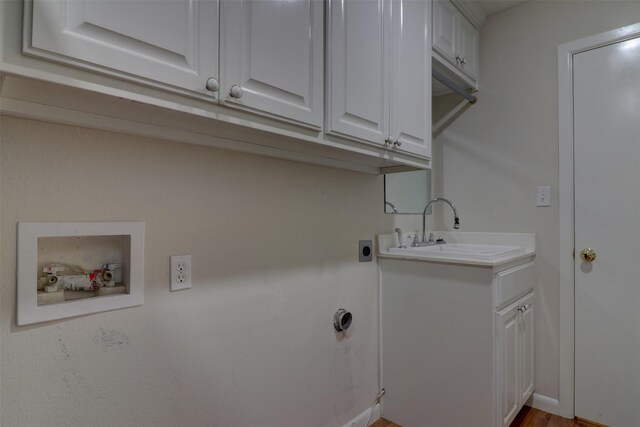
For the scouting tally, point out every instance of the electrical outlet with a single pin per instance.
(180, 272)
(365, 249)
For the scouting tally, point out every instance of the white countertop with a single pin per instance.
(524, 242)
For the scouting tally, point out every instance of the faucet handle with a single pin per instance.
(432, 237)
(416, 240)
(400, 244)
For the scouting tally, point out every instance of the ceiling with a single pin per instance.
(494, 6)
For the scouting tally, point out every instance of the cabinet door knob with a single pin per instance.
(212, 84)
(397, 142)
(463, 61)
(235, 92)
(388, 141)
(458, 57)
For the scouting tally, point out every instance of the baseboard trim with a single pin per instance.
(544, 403)
(360, 419)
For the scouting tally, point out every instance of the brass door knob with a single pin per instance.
(588, 255)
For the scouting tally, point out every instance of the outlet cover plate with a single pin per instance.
(180, 272)
(365, 251)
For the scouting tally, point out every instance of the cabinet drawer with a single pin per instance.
(512, 283)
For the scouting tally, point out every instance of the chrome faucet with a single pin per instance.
(456, 220)
(391, 205)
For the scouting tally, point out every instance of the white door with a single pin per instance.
(169, 41)
(607, 218)
(358, 80)
(411, 76)
(272, 57)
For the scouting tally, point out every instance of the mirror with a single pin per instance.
(407, 192)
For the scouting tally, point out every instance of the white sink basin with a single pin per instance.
(462, 251)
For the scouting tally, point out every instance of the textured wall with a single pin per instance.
(497, 152)
(274, 250)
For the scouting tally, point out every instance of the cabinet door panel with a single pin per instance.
(411, 76)
(526, 338)
(508, 392)
(168, 41)
(273, 50)
(469, 46)
(358, 46)
(445, 29)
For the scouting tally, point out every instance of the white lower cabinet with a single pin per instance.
(515, 357)
(526, 336)
(456, 342)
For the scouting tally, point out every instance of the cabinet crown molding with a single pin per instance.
(472, 11)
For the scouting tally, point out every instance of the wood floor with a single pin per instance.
(530, 417)
(384, 423)
(527, 417)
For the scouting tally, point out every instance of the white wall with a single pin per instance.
(274, 249)
(273, 246)
(495, 154)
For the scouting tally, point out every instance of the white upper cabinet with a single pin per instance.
(255, 68)
(272, 57)
(271, 53)
(379, 83)
(445, 29)
(358, 80)
(410, 115)
(469, 39)
(455, 39)
(174, 42)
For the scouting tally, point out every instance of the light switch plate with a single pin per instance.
(543, 196)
